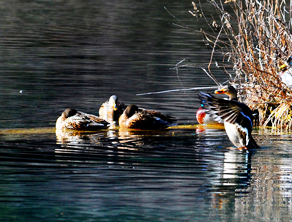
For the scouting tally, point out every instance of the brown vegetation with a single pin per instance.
(254, 37)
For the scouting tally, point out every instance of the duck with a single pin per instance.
(138, 118)
(228, 90)
(112, 109)
(203, 117)
(77, 120)
(237, 116)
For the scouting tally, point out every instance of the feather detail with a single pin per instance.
(76, 120)
(137, 118)
(237, 117)
(112, 109)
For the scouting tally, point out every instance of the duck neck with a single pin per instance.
(233, 96)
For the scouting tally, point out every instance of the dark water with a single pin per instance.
(59, 54)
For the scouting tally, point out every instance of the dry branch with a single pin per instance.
(255, 37)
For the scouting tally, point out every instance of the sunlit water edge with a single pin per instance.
(124, 175)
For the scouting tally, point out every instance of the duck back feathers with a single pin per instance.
(77, 120)
(137, 118)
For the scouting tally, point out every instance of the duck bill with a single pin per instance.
(220, 91)
(115, 107)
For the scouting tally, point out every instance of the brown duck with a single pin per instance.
(76, 120)
(112, 109)
(137, 118)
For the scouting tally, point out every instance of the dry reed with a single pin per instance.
(253, 36)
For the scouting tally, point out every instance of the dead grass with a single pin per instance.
(253, 36)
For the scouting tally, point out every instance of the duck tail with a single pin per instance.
(252, 144)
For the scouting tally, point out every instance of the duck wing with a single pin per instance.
(84, 121)
(166, 119)
(140, 121)
(145, 119)
(97, 122)
(77, 122)
(230, 111)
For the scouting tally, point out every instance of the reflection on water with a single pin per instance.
(235, 166)
(124, 175)
(60, 54)
(77, 138)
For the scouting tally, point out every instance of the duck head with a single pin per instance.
(69, 112)
(131, 110)
(113, 102)
(229, 91)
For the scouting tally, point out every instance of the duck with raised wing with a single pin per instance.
(203, 117)
(76, 120)
(237, 117)
(137, 118)
(112, 109)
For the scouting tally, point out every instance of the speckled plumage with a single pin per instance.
(76, 120)
(112, 109)
(203, 117)
(237, 117)
(137, 118)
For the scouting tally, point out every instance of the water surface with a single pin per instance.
(60, 54)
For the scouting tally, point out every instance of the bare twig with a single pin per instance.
(256, 39)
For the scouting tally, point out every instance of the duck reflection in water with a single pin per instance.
(112, 138)
(235, 177)
(78, 138)
(140, 137)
